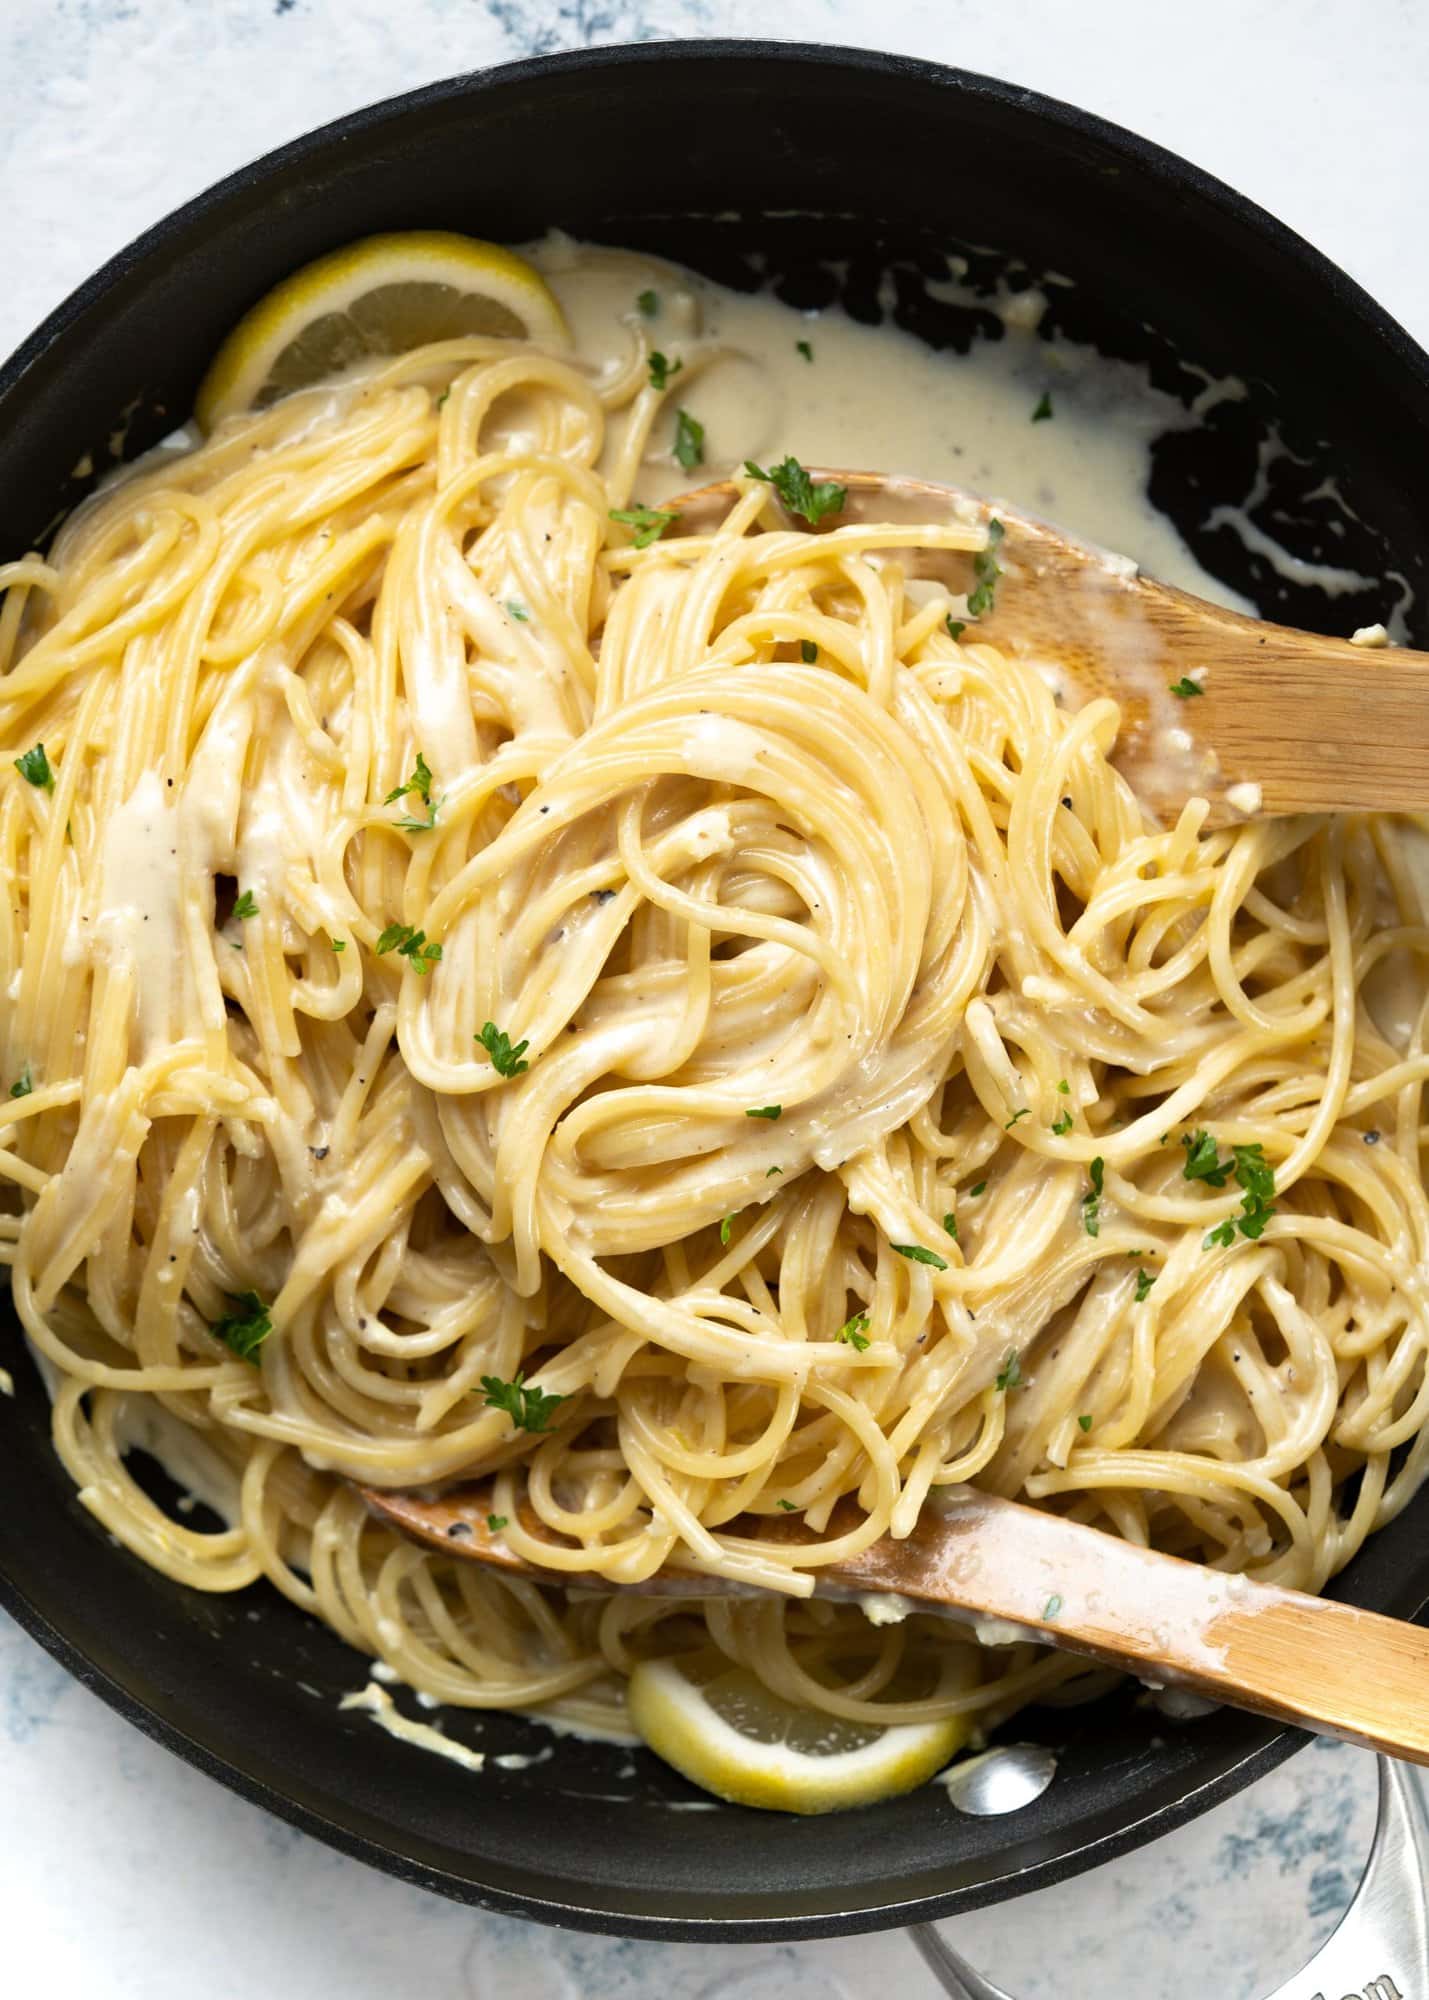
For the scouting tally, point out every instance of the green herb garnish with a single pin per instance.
(662, 368)
(808, 652)
(801, 495)
(956, 626)
(1223, 1235)
(689, 440)
(1091, 1203)
(918, 1255)
(1062, 1124)
(788, 1506)
(246, 906)
(1256, 1177)
(1009, 1376)
(649, 303)
(1144, 1281)
(950, 1223)
(1085, 1422)
(505, 1059)
(773, 1111)
(420, 783)
(1025, 1112)
(1203, 1161)
(649, 523)
(519, 613)
(246, 1329)
(528, 1407)
(23, 1084)
(1185, 687)
(410, 944)
(1044, 408)
(725, 1225)
(769, 1172)
(496, 1522)
(805, 348)
(854, 1332)
(34, 767)
(987, 570)
(338, 944)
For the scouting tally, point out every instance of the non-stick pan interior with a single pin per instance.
(817, 172)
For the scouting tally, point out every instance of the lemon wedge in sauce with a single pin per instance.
(379, 296)
(729, 1734)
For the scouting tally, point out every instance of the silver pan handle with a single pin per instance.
(1380, 1949)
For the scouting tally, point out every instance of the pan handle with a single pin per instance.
(1380, 1948)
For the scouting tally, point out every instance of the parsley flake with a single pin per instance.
(245, 1329)
(1025, 1112)
(519, 613)
(649, 523)
(769, 1172)
(981, 1188)
(810, 498)
(773, 1111)
(505, 1059)
(950, 1223)
(854, 1332)
(1009, 1376)
(1091, 1203)
(1062, 1124)
(649, 303)
(987, 570)
(410, 944)
(662, 368)
(34, 768)
(1084, 1422)
(247, 905)
(788, 1506)
(23, 1084)
(808, 652)
(725, 1227)
(528, 1407)
(805, 348)
(689, 440)
(1044, 408)
(1203, 1161)
(338, 944)
(916, 1254)
(420, 784)
(1144, 1281)
(496, 1522)
(956, 626)
(1223, 1234)
(1185, 688)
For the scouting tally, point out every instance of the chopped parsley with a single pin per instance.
(1203, 1161)
(246, 1328)
(649, 523)
(649, 303)
(810, 498)
(496, 1522)
(1223, 1235)
(519, 613)
(1009, 1376)
(956, 626)
(528, 1407)
(769, 1172)
(443, 396)
(1054, 1602)
(689, 440)
(1064, 1087)
(1091, 1202)
(854, 1332)
(505, 1059)
(808, 652)
(1254, 1176)
(410, 944)
(1084, 1422)
(420, 784)
(788, 1506)
(725, 1227)
(987, 570)
(950, 1223)
(1025, 1112)
(247, 905)
(34, 768)
(773, 1111)
(662, 368)
(1044, 408)
(23, 1084)
(1185, 687)
(918, 1255)
(338, 944)
(981, 1188)
(1144, 1281)
(1062, 1124)
(805, 348)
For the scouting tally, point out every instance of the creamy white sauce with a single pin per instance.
(876, 399)
(136, 924)
(386, 1714)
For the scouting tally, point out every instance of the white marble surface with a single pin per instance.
(123, 1874)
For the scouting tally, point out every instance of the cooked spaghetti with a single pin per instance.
(682, 1027)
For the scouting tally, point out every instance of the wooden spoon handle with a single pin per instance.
(1312, 1661)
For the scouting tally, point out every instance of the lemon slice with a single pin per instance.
(729, 1734)
(381, 295)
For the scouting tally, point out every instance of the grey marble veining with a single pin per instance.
(124, 1875)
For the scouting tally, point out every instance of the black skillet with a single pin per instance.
(748, 161)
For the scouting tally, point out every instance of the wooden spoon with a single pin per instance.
(1310, 1661)
(1285, 722)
